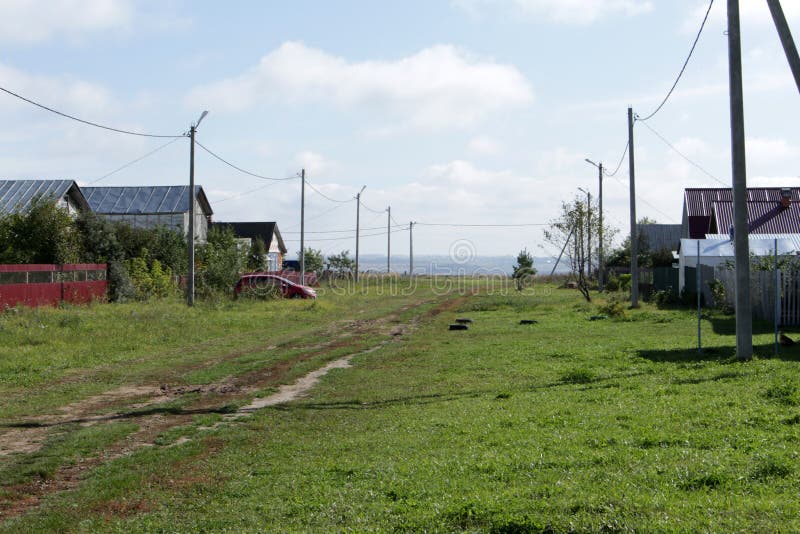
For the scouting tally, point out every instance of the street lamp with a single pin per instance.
(600, 268)
(190, 270)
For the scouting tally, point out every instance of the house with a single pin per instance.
(17, 195)
(268, 232)
(152, 206)
(771, 210)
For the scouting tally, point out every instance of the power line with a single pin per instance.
(681, 154)
(96, 125)
(316, 216)
(643, 201)
(238, 195)
(350, 230)
(377, 234)
(137, 160)
(621, 159)
(254, 175)
(372, 210)
(326, 196)
(685, 63)
(455, 225)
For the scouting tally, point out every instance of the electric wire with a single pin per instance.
(621, 159)
(644, 201)
(349, 230)
(323, 195)
(238, 195)
(681, 154)
(315, 217)
(229, 164)
(685, 63)
(90, 123)
(137, 160)
(370, 209)
(353, 236)
(455, 225)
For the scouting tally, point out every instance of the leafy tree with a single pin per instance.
(257, 257)
(621, 257)
(44, 233)
(341, 263)
(219, 261)
(314, 260)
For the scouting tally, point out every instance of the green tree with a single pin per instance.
(220, 261)
(523, 271)
(341, 263)
(44, 233)
(314, 260)
(257, 256)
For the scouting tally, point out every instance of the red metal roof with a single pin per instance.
(698, 202)
(763, 217)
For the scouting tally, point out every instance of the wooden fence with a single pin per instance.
(763, 293)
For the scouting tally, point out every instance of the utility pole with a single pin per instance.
(600, 228)
(190, 252)
(589, 231)
(358, 225)
(411, 248)
(303, 227)
(634, 239)
(744, 317)
(389, 240)
(786, 39)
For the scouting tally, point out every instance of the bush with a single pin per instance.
(625, 282)
(614, 307)
(612, 284)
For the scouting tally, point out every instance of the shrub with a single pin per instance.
(625, 282)
(614, 307)
(612, 284)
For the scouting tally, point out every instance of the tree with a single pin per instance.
(341, 263)
(44, 233)
(314, 260)
(257, 256)
(621, 257)
(523, 271)
(578, 226)
(220, 262)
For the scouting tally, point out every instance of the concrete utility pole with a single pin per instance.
(389, 240)
(303, 227)
(600, 228)
(634, 239)
(190, 252)
(411, 248)
(744, 316)
(358, 225)
(786, 39)
(588, 231)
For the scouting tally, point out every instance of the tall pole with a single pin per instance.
(634, 240)
(358, 225)
(786, 39)
(600, 231)
(411, 248)
(744, 317)
(589, 231)
(389, 240)
(190, 246)
(303, 227)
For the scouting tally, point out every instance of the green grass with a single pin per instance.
(568, 425)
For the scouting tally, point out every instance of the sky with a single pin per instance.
(450, 111)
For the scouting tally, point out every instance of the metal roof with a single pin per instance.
(698, 202)
(17, 195)
(144, 199)
(762, 217)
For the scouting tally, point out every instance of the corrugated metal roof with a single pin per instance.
(763, 217)
(17, 195)
(699, 201)
(661, 236)
(144, 199)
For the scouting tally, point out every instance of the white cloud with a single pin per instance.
(33, 21)
(578, 12)
(485, 146)
(437, 87)
(315, 164)
(765, 151)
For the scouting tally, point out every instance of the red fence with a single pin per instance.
(36, 285)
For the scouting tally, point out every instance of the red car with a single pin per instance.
(260, 282)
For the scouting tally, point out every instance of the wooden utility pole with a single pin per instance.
(786, 39)
(303, 227)
(190, 237)
(389, 240)
(358, 226)
(744, 316)
(600, 231)
(634, 239)
(411, 248)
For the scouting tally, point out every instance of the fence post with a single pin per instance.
(699, 285)
(777, 297)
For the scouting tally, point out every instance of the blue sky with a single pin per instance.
(450, 111)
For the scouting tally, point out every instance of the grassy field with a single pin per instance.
(566, 425)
